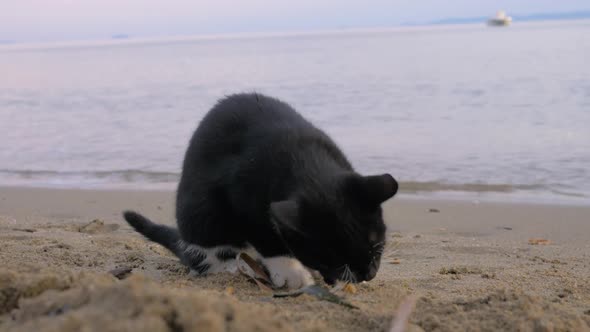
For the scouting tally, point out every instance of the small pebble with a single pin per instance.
(121, 272)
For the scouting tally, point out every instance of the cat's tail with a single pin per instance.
(167, 236)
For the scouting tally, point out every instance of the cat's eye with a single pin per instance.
(376, 248)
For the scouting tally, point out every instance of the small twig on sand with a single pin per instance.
(28, 230)
(402, 314)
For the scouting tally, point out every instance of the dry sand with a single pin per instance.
(470, 265)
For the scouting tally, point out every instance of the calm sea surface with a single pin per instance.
(499, 111)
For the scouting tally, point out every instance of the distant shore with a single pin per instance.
(473, 265)
(123, 39)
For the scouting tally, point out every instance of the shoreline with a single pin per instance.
(470, 265)
(408, 191)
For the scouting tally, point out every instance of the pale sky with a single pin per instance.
(45, 20)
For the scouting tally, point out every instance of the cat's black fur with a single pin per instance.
(257, 173)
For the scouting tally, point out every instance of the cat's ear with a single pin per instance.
(286, 215)
(379, 188)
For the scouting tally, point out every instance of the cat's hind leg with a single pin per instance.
(284, 271)
(211, 260)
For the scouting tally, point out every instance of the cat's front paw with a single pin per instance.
(287, 271)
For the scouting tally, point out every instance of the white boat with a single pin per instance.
(500, 19)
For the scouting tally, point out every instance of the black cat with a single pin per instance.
(258, 177)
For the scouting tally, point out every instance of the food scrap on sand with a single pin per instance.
(350, 289)
(319, 292)
(258, 275)
(262, 279)
(230, 291)
(537, 241)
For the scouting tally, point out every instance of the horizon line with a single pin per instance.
(123, 38)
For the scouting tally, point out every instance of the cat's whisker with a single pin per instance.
(379, 244)
(347, 273)
(343, 275)
(352, 277)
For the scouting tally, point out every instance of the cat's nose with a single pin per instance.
(371, 273)
(330, 280)
(372, 270)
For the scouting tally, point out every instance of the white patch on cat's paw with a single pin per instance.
(287, 271)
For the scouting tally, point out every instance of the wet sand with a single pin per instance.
(471, 266)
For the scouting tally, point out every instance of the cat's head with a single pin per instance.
(338, 230)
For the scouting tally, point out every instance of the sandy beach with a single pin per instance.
(473, 266)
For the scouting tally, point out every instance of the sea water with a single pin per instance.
(445, 109)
